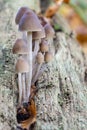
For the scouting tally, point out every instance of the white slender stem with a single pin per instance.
(24, 36)
(40, 72)
(26, 75)
(29, 77)
(20, 87)
(36, 49)
(36, 74)
(34, 69)
(24, 93)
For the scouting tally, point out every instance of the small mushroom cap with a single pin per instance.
(44, 46)
(40, 58)
(20, 47)
(48, 57)
(21, 65)
(39, 34)
(49, 31)
(30, 22)
(43, 19)
(20, 13)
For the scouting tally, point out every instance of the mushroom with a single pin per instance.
(48, 57)
(44, 46)
(25, 98)
(49, 32)
(37, 37)
(19, 15)
(40, 61)
(29, 23)
(43, 20)
(21, 67)
(49, 36)
(20, 47)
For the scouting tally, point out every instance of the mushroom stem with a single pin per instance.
(24, 88)
(20, 87)
(36, 74)
(40, 72)
(24, 35)
(36, 49)
(29, 75)
(34, 69)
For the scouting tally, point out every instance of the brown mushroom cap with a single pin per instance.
(40, 58)
(21, 65)
(49, 31)
(48, 56)
(20, 47)
(30, 22)
(39, 34)
(44, 46)
(20, 13)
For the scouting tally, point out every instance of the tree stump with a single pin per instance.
(62, 96)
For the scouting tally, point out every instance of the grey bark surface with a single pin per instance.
(62, 96)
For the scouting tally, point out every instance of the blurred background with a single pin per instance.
(76, 15)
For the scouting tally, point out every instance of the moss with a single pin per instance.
(60, 100)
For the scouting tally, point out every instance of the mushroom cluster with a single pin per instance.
(34, 49)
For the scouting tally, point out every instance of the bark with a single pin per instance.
(62, 96)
